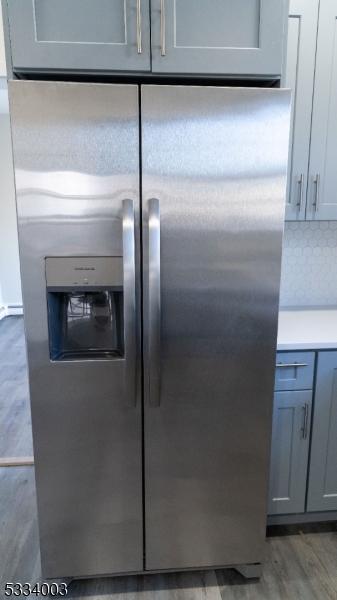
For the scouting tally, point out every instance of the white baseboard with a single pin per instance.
(10, 310)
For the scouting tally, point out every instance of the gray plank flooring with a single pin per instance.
(300, 563)
(15, 420)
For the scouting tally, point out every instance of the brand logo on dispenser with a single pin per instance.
(84, 269)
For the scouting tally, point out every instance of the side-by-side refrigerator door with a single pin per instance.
(214, 176)
(76, 152)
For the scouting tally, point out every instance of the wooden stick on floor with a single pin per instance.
(22, 461)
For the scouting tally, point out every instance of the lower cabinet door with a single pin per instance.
(289, 454)
(322, 490)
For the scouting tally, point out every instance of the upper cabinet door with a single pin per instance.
(80, 35)
(322, 196)
(232, 37)
(299, 76)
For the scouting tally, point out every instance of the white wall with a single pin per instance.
(2, 48)
(10, 286)
(9, 252)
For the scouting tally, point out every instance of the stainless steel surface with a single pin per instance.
(102, 271)
(287, 365)
(300, 192)
(216, 158)
(214, 166)
(130, 305)
(76, 152)
(162, 28)
(139, 27)
(154, 303)
(317, 182)
(305, 421)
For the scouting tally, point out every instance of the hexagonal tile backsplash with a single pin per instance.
(309, 264)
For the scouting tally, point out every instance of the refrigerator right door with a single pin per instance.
(214, 182)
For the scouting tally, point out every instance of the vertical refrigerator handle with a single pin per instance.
(129, 299)
(154, 302)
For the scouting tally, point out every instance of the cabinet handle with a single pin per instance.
(285, 365)
(162, 28)
(317, 183)
(139, 27)
(304, 428)
(300, 183)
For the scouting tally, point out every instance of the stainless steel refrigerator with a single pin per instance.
(150, 227)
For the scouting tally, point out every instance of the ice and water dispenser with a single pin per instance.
(85, 307)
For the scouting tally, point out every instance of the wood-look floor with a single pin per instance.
(300, 564)
(15, 422)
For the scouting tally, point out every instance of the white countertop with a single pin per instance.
(307, 329)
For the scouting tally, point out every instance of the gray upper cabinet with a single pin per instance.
(322, 492)
(79, 35)
(299, 76)
(322, 191)
(239, 37)
(217, 37)
(289, 456)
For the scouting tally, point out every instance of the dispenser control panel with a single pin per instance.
(91, 271)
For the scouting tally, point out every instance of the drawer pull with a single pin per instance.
(284, 365)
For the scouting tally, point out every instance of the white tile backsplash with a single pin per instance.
(309, 264)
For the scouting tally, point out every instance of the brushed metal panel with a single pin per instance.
(76, 151)
(102, 271)
(216, 159)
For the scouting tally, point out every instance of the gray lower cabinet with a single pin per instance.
(322, 490)
(290, 448)
(85, 35)
(240, 37)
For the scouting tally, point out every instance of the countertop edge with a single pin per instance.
(291, 347)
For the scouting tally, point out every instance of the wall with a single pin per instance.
(309, 264)
(10, 286)
(2, 48)
(9, 253)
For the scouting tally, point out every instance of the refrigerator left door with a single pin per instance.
(76, 153)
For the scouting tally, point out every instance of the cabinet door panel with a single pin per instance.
(289, 455)
(322, 197)
(83, 35)
(322, 493)
(217, 37)
(299, 76)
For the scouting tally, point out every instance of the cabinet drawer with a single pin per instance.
(294, 371)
